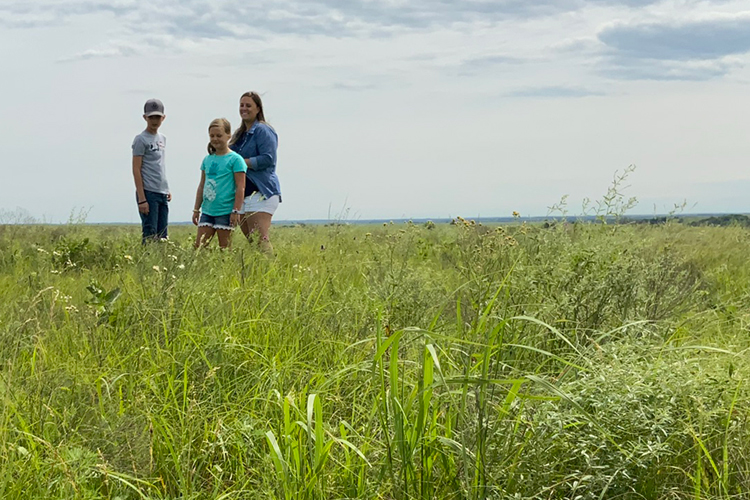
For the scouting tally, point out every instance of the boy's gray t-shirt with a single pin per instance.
(153, 150)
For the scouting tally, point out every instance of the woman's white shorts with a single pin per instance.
(256, 202)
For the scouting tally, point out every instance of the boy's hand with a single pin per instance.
(169, 196)
(196, 217)
(143, 208)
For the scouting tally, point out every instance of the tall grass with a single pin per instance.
(398, 362)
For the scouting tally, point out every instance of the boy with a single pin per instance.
(151, 188)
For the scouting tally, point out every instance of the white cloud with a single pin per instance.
(700, 39)
(698, 48)
(392, 108)
(554, 92)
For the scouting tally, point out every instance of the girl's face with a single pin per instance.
(248, 109)
(218, 138)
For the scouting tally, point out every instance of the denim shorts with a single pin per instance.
(216, 221)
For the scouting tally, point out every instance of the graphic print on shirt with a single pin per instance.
(209, 190)
(156, 146)
(213, 169)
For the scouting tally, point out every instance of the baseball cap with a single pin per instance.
(153, 107)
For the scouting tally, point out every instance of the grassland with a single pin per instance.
(392, 362)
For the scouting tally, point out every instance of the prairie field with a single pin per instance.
(397, 361)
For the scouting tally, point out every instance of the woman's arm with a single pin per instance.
(199, 199)
(267, 145)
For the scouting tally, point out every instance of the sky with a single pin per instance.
(385, 109)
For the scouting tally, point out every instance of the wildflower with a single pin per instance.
(181, 266)
(41, 250)
(71, 308)
(173, 257)
(157, 269)
(516, 214)
(367, 235)
(129, 258)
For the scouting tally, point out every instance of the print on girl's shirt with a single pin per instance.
(209, 190)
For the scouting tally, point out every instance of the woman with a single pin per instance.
(256, 142)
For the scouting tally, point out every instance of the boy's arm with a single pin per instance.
(169, 194)
(141, 193)
(199, 199)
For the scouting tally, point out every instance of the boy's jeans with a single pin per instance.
(154, 223)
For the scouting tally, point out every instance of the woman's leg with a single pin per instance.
(261, 222)
(205, 233)
(247, 229)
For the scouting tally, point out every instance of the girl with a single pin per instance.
(256, 142)
(221, 189)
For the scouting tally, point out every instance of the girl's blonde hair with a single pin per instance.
(223, 124)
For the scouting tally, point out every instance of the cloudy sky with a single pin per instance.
(384, 108)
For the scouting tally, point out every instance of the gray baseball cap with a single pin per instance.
(153, 107)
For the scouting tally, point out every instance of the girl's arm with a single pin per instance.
(199, 199)
(239, 197)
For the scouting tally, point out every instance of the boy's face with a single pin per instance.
(154, 121)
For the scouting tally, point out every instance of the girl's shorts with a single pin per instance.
(215, 221)
(256, 202)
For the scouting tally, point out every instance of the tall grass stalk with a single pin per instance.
(401, 362)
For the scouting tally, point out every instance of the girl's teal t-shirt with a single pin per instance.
(219, 188)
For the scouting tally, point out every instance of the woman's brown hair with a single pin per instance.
(261, 118)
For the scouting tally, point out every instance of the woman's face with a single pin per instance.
(248, 109)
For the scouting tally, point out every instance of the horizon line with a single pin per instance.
(521, 218)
